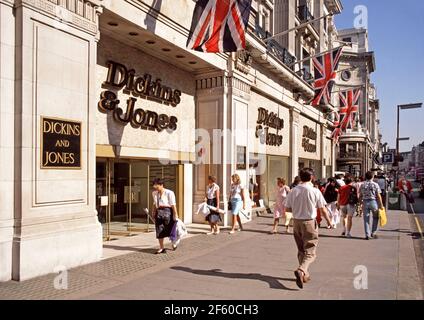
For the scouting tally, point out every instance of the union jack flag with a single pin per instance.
(349, 109)
(219, 25)
(325, 67)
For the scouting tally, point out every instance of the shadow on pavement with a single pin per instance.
(340, 237)
(273, 282)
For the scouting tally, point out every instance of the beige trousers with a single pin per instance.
(306, 237)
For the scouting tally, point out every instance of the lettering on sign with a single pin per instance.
(119, 77)
(308, 135)
(267, 120)
(60, 144)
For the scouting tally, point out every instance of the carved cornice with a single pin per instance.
(83, 14)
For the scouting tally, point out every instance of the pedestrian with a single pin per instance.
(382, 182)
(303, 202)
(346, 203)
(281, 192)
(165, 211)
(340, 179)
(370, 197)
(237, 201)
(405, 188)
(357, 184)
(330, 196)
(212, 199)
(295, 183)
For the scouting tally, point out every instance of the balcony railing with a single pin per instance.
(305, 75)
(274, 48)
(350, 155)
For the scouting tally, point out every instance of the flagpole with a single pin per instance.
(316, 55)
(298, 27)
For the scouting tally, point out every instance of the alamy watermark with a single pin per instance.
(61, 281)
(360, 282)
(361, 17)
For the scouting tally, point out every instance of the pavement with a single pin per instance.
(250, 265)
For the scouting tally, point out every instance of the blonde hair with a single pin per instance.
(236, 177)
(282, 180)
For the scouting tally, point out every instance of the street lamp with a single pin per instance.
(398, 139)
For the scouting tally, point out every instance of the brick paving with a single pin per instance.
(249, 265)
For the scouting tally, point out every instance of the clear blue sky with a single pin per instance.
(396, 36)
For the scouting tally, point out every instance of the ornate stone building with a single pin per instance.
(360, 145)
(100, 97)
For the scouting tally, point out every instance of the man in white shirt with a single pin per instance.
(303, 202)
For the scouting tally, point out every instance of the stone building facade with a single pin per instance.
(100, 97)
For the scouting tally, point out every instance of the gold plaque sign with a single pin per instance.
(60, 144)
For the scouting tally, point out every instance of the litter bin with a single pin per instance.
(394, 201)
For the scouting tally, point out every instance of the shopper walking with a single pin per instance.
(357, 184)
(370, 197)
(281, 192)
(237, 201)
(405, 188)
(165, 211)
(212, 199)
(330, 196)
(303, 202)
(346, 203)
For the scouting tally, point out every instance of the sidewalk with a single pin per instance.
(249, 265)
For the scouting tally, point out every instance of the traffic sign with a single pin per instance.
(377, 159)
(388, 158)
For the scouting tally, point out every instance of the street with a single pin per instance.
(248, 265)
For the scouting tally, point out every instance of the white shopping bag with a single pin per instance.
(203, 208)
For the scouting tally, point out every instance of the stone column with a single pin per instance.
(56, 223)
(7, 137)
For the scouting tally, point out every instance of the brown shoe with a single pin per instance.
(299, 278)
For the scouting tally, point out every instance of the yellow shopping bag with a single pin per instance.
(382, 217)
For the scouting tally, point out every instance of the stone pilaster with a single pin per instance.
(295, 143)
(56, 223)
(7, 143)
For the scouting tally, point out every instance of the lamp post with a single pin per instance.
(398, 139)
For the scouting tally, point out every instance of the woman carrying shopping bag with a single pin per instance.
(165, 210)
(212, 199)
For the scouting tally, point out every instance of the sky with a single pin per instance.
(396, 35)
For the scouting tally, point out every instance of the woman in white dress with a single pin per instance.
(281, 193)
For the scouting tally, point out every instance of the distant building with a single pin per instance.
(360, 145)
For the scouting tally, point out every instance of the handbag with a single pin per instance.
(382, 217)
(230, 207)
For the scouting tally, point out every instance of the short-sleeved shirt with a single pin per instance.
(212, 190)
(304, 200)
(167, 199)
(370, 190)
(236, 190)
(344, 194)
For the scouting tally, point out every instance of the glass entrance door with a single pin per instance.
(124, 194)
